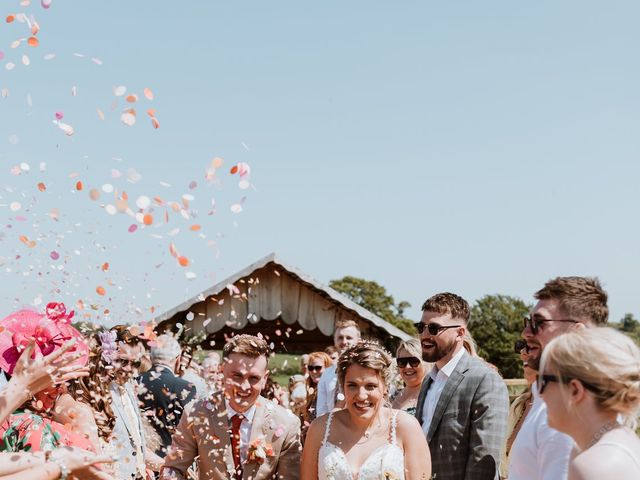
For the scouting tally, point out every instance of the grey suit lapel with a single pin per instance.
(421, 397)
(447, 392)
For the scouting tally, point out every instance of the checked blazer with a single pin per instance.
(469, 423)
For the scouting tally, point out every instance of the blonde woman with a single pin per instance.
(413, 371)
(590, 379)
(366, 440)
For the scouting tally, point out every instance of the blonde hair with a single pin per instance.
(469, 344)
(604, 360)
(412, 346)
(345, 324)
(367, 354)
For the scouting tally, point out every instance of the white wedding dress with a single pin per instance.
(385, 462)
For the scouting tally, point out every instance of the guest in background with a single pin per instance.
(297, 394)
(304, 361)
(190, 371)
(519, 409)
(164, 394)
(589, 379)
(413, 371)
(212, 373)
(345, 335)
(333, 353)
(318, 362)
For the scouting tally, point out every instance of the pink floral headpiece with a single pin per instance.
(50, 331)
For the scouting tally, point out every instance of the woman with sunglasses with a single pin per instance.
(590, 381)
(413, 371)
(318, 361)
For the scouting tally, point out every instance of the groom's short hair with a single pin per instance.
(248, 345)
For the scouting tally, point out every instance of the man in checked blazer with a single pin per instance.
(463, 403)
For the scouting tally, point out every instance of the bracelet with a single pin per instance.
(64, 471)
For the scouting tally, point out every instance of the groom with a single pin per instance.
(237, 434)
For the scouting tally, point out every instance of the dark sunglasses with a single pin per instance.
(520, 345)
(544, 380)
(535, 324)
(129, 363)
(402, 362)
(433, 328)
(315, 368)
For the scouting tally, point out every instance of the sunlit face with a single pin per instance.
(364, 391)
(334, 357)
(315, 367)
(436, 347)
(344, 338)
(558, 408)
(412, 376)
(544, 310)
(127, 362)
(244, 379)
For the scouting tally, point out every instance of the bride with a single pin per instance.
(367, 440)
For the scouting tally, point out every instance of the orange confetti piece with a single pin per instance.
(151, 112)
(148, 93)
(24, 239)
(105, 266)
(42, 187)
(147, 219)
(79, 186)
(217, 162)
(10, 18)
(234, 170)
(100, 290)
(100, 114)
(183, 261)
(195, 228)
(155, 123)
(172, 250)
(35, 28)
(33, 42)
(133, 98)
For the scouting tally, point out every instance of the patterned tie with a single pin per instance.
(236, 421)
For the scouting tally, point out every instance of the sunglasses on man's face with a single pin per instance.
(535, 324)
(315, 368)
(404, 361)
(129, 363)
(433, 328)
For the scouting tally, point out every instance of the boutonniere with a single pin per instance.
(259, 450)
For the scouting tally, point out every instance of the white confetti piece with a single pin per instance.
(26, 61)
(236, 208)
(111, 209)
(119, 91)
(107, 188)
(15, 206)
(10, 66)
(129, 119)
(143, 202)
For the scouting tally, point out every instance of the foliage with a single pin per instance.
(496, 324)
(374, 297)
(630, 326)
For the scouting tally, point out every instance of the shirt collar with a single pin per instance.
(248, 415)
(451, 365)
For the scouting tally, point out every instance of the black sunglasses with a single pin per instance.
(520, 345)
(536, 323)
(433, 328)
(131, 363)
(315, 368)
(544, 380)
(402, 362)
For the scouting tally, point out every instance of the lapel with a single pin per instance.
(447, 392)
(426, 383)
(259, 428)
(220, 425)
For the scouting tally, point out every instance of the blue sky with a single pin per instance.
(476, 147)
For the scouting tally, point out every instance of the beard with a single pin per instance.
(438, 352)
(533, 361)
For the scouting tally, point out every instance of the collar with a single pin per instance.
(248, 415)
(451, 365)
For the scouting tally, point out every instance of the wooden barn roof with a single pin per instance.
(316, 306)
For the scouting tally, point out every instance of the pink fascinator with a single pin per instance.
(50, 331)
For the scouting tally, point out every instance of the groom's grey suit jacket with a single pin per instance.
(469, 424)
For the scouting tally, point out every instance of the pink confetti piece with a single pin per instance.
(54, 255)
(59, 115)
(132, 228)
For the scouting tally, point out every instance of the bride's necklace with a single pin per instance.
(607, 427)
(368, 433)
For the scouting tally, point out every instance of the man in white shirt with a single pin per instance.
(463, 403)
(564, 303)
(345, 335)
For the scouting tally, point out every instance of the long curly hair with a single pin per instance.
(93, 390)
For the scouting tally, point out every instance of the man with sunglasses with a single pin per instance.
(564, 304)
(463, 403)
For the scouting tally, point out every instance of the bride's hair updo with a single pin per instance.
(604, 359)
(367, 354)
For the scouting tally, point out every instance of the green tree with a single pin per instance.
(496, 324)
(630, 326)
(374, 297)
